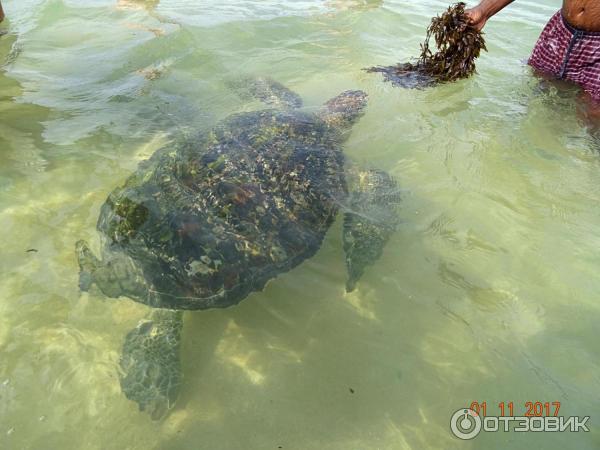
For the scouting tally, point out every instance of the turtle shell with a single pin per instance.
(214, 218)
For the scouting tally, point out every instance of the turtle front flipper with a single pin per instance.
(150, 362)
(266, 90)
(370, 220)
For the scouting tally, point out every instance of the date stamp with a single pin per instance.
(526, 409)
(528, 416)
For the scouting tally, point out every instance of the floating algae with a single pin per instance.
(458, 46)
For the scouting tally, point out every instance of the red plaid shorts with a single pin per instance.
(569, 54)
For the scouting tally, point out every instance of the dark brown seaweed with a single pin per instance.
(458, 46)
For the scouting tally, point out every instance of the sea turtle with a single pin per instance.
(205, 222)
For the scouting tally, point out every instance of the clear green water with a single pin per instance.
(488, 292)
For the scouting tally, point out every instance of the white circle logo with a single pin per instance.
(465, 424)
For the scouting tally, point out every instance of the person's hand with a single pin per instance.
(476, 18)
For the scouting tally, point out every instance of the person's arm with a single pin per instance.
(479, 15)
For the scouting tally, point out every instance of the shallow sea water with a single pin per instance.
(488, 291)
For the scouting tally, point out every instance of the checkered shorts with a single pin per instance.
(569, 54)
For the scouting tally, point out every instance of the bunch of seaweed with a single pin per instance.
(458, 46)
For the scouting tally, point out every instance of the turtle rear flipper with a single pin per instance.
(115, 276)
(268, 91)
(87, 265)
(150, 362)
(370, 221)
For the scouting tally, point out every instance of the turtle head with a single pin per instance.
(343, 111)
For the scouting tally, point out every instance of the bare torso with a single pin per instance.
(582, 14)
